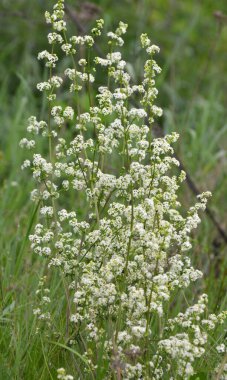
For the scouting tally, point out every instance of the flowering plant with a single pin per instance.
(122, 245)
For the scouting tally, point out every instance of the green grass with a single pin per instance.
(192, 93)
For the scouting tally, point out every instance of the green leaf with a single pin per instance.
(199, 376)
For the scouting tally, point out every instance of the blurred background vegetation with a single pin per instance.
(192, 91)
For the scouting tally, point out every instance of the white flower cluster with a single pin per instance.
(53, 82)
(62, 375)
(122, 250)
(185, 348)
(41, 312)
(56, 18)
(51, 59)
(98, 28)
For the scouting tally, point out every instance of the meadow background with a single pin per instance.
(192, 91)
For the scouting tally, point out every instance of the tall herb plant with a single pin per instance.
(121, 246)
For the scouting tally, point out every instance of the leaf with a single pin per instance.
(75, 353)
(199, 376)
(8, 309)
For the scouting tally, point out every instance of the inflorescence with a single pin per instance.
(124, 256)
